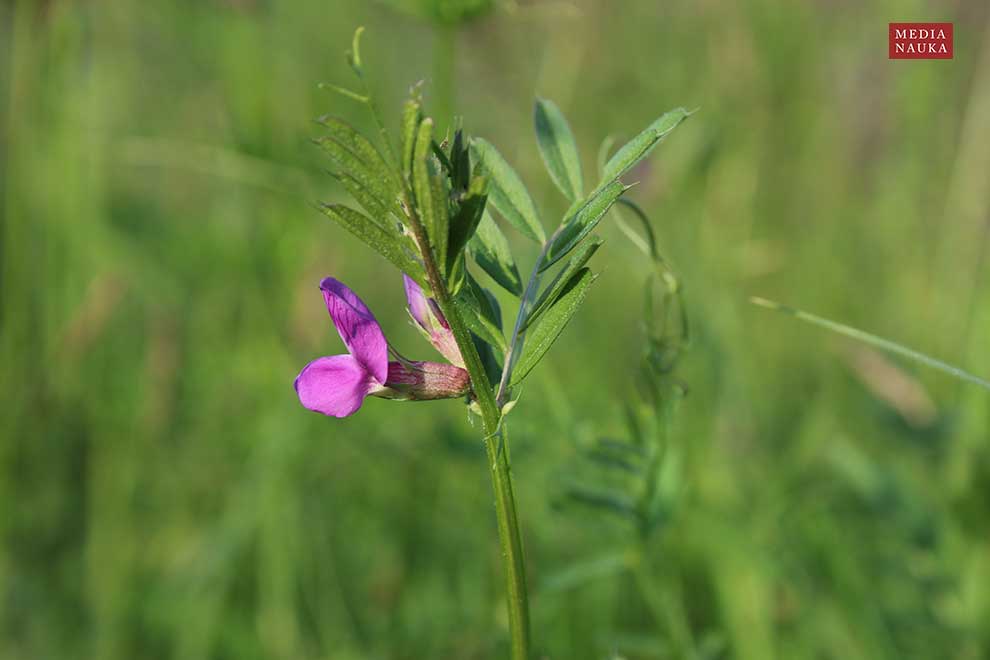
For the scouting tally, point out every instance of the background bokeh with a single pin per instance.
(163, 494)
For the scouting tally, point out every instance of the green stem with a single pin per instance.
(498, 461)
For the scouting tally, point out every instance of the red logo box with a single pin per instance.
(919, 41)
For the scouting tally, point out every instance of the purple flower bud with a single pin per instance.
(427, 315)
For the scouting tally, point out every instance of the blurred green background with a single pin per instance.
(163, 494)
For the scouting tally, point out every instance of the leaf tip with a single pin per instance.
(763, 302)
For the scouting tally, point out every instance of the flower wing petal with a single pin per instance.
(357, 326)
(335, 385)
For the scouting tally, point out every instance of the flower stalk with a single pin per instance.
(493, 426)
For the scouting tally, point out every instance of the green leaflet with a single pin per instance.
(431, 196)
(375, 181)
(553, 291)
(481, 314)
(488, 304)
(380, 214)
(460, 161)
(362, 148)
(491, 362)
(457, 275)
(640, 146)
(465, 221)
(557, 147)
(545, 333)
(385, 244)
(585, 219)
(490, 250)
(506, 191)
(411, 117)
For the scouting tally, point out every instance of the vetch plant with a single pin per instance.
(425, 209)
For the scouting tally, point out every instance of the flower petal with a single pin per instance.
(334, 385)
(357, 327)
(426, 313)
(418, 306)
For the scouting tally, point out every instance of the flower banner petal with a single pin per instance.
(357, 327)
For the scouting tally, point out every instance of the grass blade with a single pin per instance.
(873, 340)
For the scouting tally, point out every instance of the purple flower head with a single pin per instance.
(337, 385)
(431, 322)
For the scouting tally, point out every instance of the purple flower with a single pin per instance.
(337, 385)
(431, 322)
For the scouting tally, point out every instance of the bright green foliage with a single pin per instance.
(472, 195)
(371, 160)
(388, 244)
(480, 316)
(507, 193)
(557, 147)
(430, 190)
(640, 146)
(542, 336)
(553, 291)
(582, 222)
(367, 169)
(412, 115)
(375, 206)
(490, 250)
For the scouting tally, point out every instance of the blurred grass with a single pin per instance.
(163, 495)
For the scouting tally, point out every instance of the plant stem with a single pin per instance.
(511, 540)
(498, 461)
